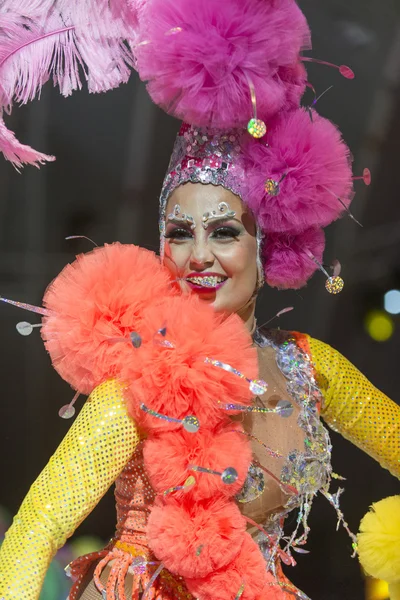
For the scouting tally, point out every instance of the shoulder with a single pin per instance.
(279, 337)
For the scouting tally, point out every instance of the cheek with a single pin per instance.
(239, 259)
(176, 256)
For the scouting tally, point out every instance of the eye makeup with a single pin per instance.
(220, 231)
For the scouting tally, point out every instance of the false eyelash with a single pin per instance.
(173, 234)
(230, 230)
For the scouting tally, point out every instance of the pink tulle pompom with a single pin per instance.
(288, 264)
(175, 378)
(248, 569)
(200, 57)
(216, 450)
(295, 79)
(295, 182)
(95, 304)
(195, 540)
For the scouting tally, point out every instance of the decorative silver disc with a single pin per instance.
(66, 412)
(24, 328)
(229, 476)
(191, 424)
(135, 339)
(285, 408)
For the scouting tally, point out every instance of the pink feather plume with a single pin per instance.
(62, 46)
(199, 57)
(19, 154)
(65, 40)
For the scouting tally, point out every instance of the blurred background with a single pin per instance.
(112, 151)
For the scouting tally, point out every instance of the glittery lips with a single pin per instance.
(205, 282)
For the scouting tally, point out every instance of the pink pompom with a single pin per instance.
(247, 568)
(294, 182)
(295, 78)
(199, 57)
(194, 540)
(176, 381)
(216, 450)
(94, 302)
(287, 260)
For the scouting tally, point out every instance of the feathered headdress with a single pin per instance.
(225, 67)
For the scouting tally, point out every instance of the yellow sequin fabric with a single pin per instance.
(95, 450)
(355, 408)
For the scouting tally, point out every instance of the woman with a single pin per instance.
(233, 211)
(211, 247)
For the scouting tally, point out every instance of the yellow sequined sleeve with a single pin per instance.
(89, 459)
(355, 408)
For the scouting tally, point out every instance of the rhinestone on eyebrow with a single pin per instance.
(176, 215)
(224, 212)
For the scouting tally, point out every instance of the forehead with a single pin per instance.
(197, 198)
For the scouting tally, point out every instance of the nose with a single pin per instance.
(201, 256)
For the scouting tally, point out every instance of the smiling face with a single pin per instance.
(211, 246)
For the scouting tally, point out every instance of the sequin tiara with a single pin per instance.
(206, 156)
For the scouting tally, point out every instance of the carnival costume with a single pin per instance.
(211, 437)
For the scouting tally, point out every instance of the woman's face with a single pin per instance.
(211, 245)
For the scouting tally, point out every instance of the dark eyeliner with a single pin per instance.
(226, 231)
(177, 234)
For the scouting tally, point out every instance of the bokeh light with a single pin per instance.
(376, 589)
(379, 325)
(392, 302)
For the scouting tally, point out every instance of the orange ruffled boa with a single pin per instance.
(95, 306)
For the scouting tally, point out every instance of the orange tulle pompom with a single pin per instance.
(176, 380)
(95, 304)
(195, 539)
(212, 449)
(248, 569)
(116, 312)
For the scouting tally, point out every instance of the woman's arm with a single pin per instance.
(89, 459)
(355, 408)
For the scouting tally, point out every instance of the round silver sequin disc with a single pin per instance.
(191, 424)
(135, 339)
(285, 408)
(66, 412)
(229, 476)
(24, 328)
(258, 387)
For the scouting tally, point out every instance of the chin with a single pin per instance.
(219, 305)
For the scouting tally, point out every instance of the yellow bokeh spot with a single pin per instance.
(379, 325)
(376, 589)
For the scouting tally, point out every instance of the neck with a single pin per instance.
(247, 315)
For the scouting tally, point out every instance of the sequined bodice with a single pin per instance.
(134, 497)
(291, 450)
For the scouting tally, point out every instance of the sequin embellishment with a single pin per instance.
(254, 485)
